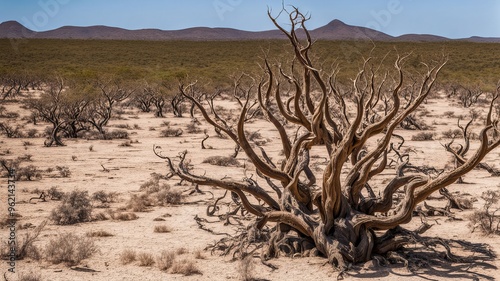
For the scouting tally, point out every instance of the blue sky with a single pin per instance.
(450, 18)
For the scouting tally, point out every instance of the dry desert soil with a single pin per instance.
(122, 166)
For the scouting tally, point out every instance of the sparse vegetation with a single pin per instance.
(162, 229)
(70, 249)
(99, 233)
(128, 256)
(165, 260)
(224, 161)
(185, 267)
(74, 208)
(145, 259)
(423, 136)
(487, 219)
(171, 132)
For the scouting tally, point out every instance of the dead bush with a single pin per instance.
(224, 161)
(487, 219)
(30, 276)
(184, 267)
(145, 259)
(124, 216)
(139, 203)
(450, 134)
(99, 233)
(162, 229)
(168, 196)
(74, 208)
(70, 248)
(104, 197)
(26, 247)
(55, 193)
(117, 134)
(64, 171)
(128, 256)
(423, 136)
(171, 132)
(193, 127)
(28, 173)
(165, 260)
(151, 186)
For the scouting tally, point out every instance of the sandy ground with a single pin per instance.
(131, 166)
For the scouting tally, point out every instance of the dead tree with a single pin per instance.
(100, 109)
(334, 215)
(459, 151)
(50, 107)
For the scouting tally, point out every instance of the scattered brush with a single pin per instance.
(128, 256)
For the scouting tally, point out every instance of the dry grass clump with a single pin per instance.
(199, 255)
(162, 229)
(169, 197)
(165, 260)
(99, 233)
(224, 161)
(139, 203)
(128, 256)
(30, 276)
(185, 267)
(145, 259)
(121, 216)
(171, 132)
(423, 136)
(74, 208)
(70, 249)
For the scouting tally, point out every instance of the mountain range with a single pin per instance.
(335, 30)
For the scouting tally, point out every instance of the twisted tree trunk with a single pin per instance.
(338, 216)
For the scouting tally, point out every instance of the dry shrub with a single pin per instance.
(487, 219)
(168, 196)
(423, 136)
(171, 132)
(450, 134)
(124, 216)
(181, 251)
(74, 208)
(70, 249)
(162, 229)
(55, 193)
(145, 259)
(139, 203)
(64, 171)
(30, 276)
(26, 247)
(128, 256)
(224, 161)
(193, 127)
(184, 267)
(98, 233)
(117, 134)
(165, 260)
(100, 217)
(151, 186)
(199, 255)
(105, 197)
(29, 173)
